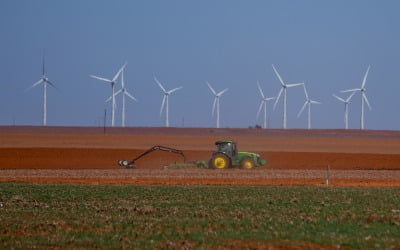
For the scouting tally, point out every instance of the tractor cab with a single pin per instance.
(227, 147)
(227, 156)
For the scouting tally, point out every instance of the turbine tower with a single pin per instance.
(165, 100)
(263, 104)
(124, 93)
(216, 101)
(307, 103)
(283, 89)
(346, 108)
(363, 96)
(113, 81)
(45, 81)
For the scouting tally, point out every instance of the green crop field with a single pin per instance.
(118, 216)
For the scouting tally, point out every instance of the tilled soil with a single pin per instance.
(196, 176)
(294, 157)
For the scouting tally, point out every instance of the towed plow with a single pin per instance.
(131, 163)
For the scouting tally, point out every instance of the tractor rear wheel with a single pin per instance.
(219, 161)
(247, 163)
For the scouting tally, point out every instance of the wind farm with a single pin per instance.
(118, 81)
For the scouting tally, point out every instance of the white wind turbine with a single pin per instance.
(346, 108)
(124, 93)
(45, 81)
(307, 103)
(216, 101)
(263, 104)
(283, 89)
(113, 81)
(165, 100)
(363, 96)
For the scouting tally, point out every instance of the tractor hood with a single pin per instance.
(255, 156)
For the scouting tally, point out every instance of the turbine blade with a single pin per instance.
(173, 90)
(305, 91)
(222, 92)
(302, 109)
(122, 80)
(260, 108)
(43, 71)
(277, 99)
(35, 84)
(349, 98)
(162, 104)
(115, 94)
(118, 92)
(269, 98)
(160, 85)
(118, 73)
(213, 108)
(365, 78)
(314, 102)
(130, 96)
(350, 90)
(279, 76)
(211, 88)
(364, 96)
(261, 92)
(294, 84)
(101, 78)
(51, 84)
(339, 98)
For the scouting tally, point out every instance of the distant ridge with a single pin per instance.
(351, 133)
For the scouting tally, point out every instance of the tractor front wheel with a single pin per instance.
(247, 163)
(219, 161)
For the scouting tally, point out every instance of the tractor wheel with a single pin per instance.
(247, 163)
(219, 161)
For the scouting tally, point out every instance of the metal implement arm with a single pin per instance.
(158, 147)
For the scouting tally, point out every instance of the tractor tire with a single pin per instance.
(247, 163)
(219, 161)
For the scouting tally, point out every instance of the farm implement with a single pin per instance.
(225, 156)
(130, 164)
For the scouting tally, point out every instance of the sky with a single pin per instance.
(328, 45)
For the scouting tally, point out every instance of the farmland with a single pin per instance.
(60, 187)
(117, 216)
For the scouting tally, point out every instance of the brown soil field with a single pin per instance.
(294, 157)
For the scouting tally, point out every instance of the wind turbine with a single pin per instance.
(216, 101)
(113, 81)
(263, 104)
(307, 103)
(124, 92)
(283, 89)
(363, 96)
(45, 81)
(346, 108)
(165, 100)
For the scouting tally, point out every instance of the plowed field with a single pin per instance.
(294, 157)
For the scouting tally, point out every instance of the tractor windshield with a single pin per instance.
(225, 147)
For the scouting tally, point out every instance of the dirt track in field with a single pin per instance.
(294, 157)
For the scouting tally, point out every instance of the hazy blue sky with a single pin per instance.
(231, 44)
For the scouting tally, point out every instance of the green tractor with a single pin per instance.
(227, 156)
